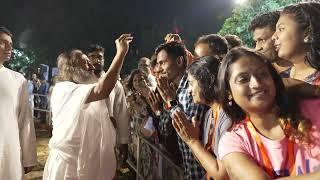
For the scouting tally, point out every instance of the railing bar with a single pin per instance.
(155, 148)
(130, 163)
(35, 94)
(43, 110)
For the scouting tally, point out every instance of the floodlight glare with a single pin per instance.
(240, 2)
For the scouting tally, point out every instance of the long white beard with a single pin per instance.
(84, 76)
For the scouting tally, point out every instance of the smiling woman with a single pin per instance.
(272, 135)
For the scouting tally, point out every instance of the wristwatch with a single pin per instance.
(173, 102)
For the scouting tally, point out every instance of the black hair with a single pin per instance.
(5, 30)
(174, 49)
(205, 71)
(233, 41)
(94, 47)
(217, 44)
(307, 17)
(153, 61)
(130, 80)
(268, 19)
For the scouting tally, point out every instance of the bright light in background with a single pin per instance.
(240, 2)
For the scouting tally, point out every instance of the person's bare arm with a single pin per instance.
(189, 133)
(212, 165)
(244, 168)
(311, 176)
(106, 82)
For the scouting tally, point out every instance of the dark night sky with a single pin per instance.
(50, 26)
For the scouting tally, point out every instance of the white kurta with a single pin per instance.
(83, 137)
(17, 135)
(118, 109)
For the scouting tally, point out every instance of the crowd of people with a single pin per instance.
(224, 112)
(39, 94)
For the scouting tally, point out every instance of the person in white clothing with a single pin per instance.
(83, 137)
(116, 103)
(18, 153)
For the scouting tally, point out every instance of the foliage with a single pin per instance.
(22, 60)
(242, 15)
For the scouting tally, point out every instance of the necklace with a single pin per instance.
(294, 75)
(292, 72)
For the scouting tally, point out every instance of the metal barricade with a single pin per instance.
(142, 141)
(46, 110)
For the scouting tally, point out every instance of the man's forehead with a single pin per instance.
(263, 32)
(95, 53)
(164, 56)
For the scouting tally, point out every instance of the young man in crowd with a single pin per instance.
(172, 63)
(211, 45)
(263, 27)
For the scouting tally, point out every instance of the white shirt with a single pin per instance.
(17, 134)
(118, 109)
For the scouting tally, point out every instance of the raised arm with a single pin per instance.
(240, 166)
(106, 82)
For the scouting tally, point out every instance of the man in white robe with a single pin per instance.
(83, 137)
(118, 109)
(116, 102)
(17, 135)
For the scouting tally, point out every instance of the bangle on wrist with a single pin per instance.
(173, 102)
(158, 113)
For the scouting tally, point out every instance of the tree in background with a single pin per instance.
(243, 14)
(21, 61)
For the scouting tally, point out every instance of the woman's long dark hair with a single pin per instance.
(307, 16)
(205, 71)
(132, 75)
(293, 124)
